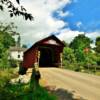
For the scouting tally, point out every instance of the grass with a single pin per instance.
(21, 91)
(97, 73)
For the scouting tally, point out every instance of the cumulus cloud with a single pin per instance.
(68, 35)
(44, 23)
(93, 35)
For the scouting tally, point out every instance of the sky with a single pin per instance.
(63, 18)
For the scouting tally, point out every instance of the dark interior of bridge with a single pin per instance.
(46, 57)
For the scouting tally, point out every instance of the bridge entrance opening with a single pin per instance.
(46, 57)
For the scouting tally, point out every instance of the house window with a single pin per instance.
(18, 56)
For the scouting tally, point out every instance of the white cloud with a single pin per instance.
(93, 35)
(68, 35)
(64, 14)
(54, 23)
(44, 22)
(79, 24)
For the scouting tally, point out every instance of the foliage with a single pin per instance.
(4, 63)
(19, 41)
(6, 41)
(79, 56)
(15, 11)
(23, 92)
(79, 44)
(98, 58)
(97, 43)
(80, 41)
(24, 46)
(14, 63)
(69, 59)
(7, 31)
(91, 58)
(68, 54)
(22, 70)
(20, 91)
(97, 50)
(5, 76)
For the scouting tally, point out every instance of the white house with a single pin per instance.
(16, 53)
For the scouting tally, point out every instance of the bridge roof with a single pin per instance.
(51, 40)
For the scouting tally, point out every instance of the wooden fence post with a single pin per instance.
(60, 60)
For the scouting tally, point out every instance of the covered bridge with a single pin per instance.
(46, 53)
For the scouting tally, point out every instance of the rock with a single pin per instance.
(21, 79)
(76, 96)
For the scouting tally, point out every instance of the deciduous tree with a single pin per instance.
(79, 44)
(97, 43)
(6, 40)
(15, 11)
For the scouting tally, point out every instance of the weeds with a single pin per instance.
(21, 91)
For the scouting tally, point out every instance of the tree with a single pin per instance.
(97, 43)
(24, 46)
(6, 36)
(19, 41)
(90, 60)
(80, 41)
(68, 54)
(4, 63)
(6, 40)
(79, 44)
(14, 11)
(69, 59)
(97, 49)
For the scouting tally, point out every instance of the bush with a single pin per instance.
(5, 76)
(23, 92)
(22, 70)
(13, 63)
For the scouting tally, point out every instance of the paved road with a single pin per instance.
(85, 85)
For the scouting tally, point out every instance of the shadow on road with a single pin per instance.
(64, 94)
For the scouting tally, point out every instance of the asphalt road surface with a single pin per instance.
(82, 84)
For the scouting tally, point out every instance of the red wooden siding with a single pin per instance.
(30, 58)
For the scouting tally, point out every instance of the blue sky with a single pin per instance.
(64, 18)
(84, 12)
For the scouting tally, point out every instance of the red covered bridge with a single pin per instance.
(46, 53)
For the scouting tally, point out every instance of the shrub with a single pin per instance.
(5, 76)
(22, 70)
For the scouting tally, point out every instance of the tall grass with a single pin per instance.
(21, 91)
